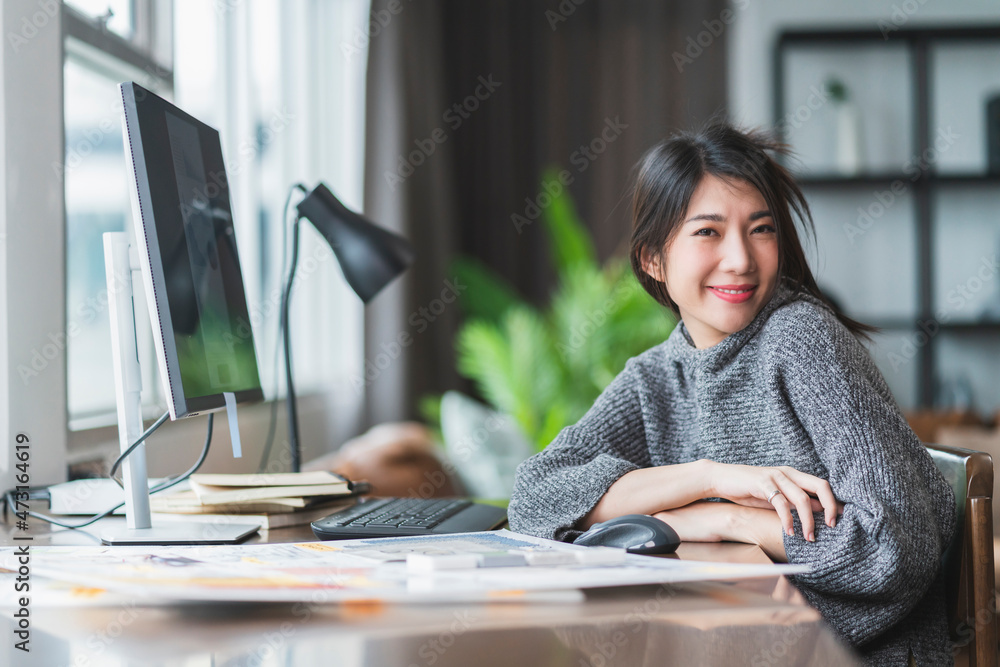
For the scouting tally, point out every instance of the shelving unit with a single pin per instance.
(943, 188)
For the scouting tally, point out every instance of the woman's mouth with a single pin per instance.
(733, 293)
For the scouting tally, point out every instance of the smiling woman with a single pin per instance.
(722, 264)
(762, 400)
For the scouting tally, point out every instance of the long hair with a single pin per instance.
(667, 176)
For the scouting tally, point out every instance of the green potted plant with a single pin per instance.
(545, 367)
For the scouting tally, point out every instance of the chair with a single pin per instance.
(968, 561)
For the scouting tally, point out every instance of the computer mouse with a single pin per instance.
(637, 533)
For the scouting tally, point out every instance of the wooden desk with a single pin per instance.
(750, 622)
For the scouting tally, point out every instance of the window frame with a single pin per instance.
(146, 57)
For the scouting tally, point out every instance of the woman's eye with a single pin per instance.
(764, 229)
(704, 232)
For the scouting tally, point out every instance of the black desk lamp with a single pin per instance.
(369, 256)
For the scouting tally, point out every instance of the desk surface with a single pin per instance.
(747, 622)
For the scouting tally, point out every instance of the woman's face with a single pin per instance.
(721, 266)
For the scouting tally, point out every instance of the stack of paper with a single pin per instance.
(275, 499)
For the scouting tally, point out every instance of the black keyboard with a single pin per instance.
(397, 517)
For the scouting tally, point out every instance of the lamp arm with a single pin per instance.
(286, 298)
(286, 225)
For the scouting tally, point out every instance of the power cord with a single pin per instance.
(9, 502)
(266, 456)
(142, 438)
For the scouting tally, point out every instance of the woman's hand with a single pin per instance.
(701, 521)
(705, 521)
(753, 486)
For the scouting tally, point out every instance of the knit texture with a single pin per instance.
(794, 388)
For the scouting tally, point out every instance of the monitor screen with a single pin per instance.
(187, 250)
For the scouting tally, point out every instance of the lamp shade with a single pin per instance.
(369, 256)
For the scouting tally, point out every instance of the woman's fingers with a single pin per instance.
(819, 487)
(754, 486)
(781, 506)
(802, 503)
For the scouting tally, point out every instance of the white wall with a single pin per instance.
(32, 261)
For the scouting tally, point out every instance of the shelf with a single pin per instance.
(918, 84)
(889, 324)
(972, 327)
(837, 37)
(837, 180)
(881, 180)
(966, 179)
(904, 324)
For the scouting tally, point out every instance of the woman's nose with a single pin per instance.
(737, 256)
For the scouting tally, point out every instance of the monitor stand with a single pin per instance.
(120, 262)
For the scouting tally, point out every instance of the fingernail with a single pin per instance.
(811, 538)
(789, 532)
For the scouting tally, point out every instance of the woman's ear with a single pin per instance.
(652, 265)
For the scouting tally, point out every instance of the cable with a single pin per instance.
(166, 484)
(273, 420)
(145, 434)
(293, 417)
(174, 481)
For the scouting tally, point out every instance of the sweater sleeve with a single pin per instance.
(558, 486)
(879, 560)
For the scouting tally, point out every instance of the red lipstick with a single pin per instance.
(733, 293)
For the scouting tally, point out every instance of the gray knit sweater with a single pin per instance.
(793, 388)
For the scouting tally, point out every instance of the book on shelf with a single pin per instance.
(222, 489)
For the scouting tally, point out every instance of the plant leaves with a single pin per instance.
(488, 295)
(570, 243)
(545, 369)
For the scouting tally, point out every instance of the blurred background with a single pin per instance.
(500, 137)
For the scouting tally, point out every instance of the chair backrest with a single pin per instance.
(968, 561)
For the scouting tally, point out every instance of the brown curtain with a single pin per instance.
(468, 102)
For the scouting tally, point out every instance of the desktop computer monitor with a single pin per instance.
(187, 250)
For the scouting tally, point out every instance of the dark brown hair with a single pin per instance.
(668, 175)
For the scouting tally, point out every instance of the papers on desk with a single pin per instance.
(351, 570)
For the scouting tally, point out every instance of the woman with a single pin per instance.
(763, 397)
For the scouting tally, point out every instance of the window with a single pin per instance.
(115, 14)
(289, 106)
(97, 201)
(96, 191)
